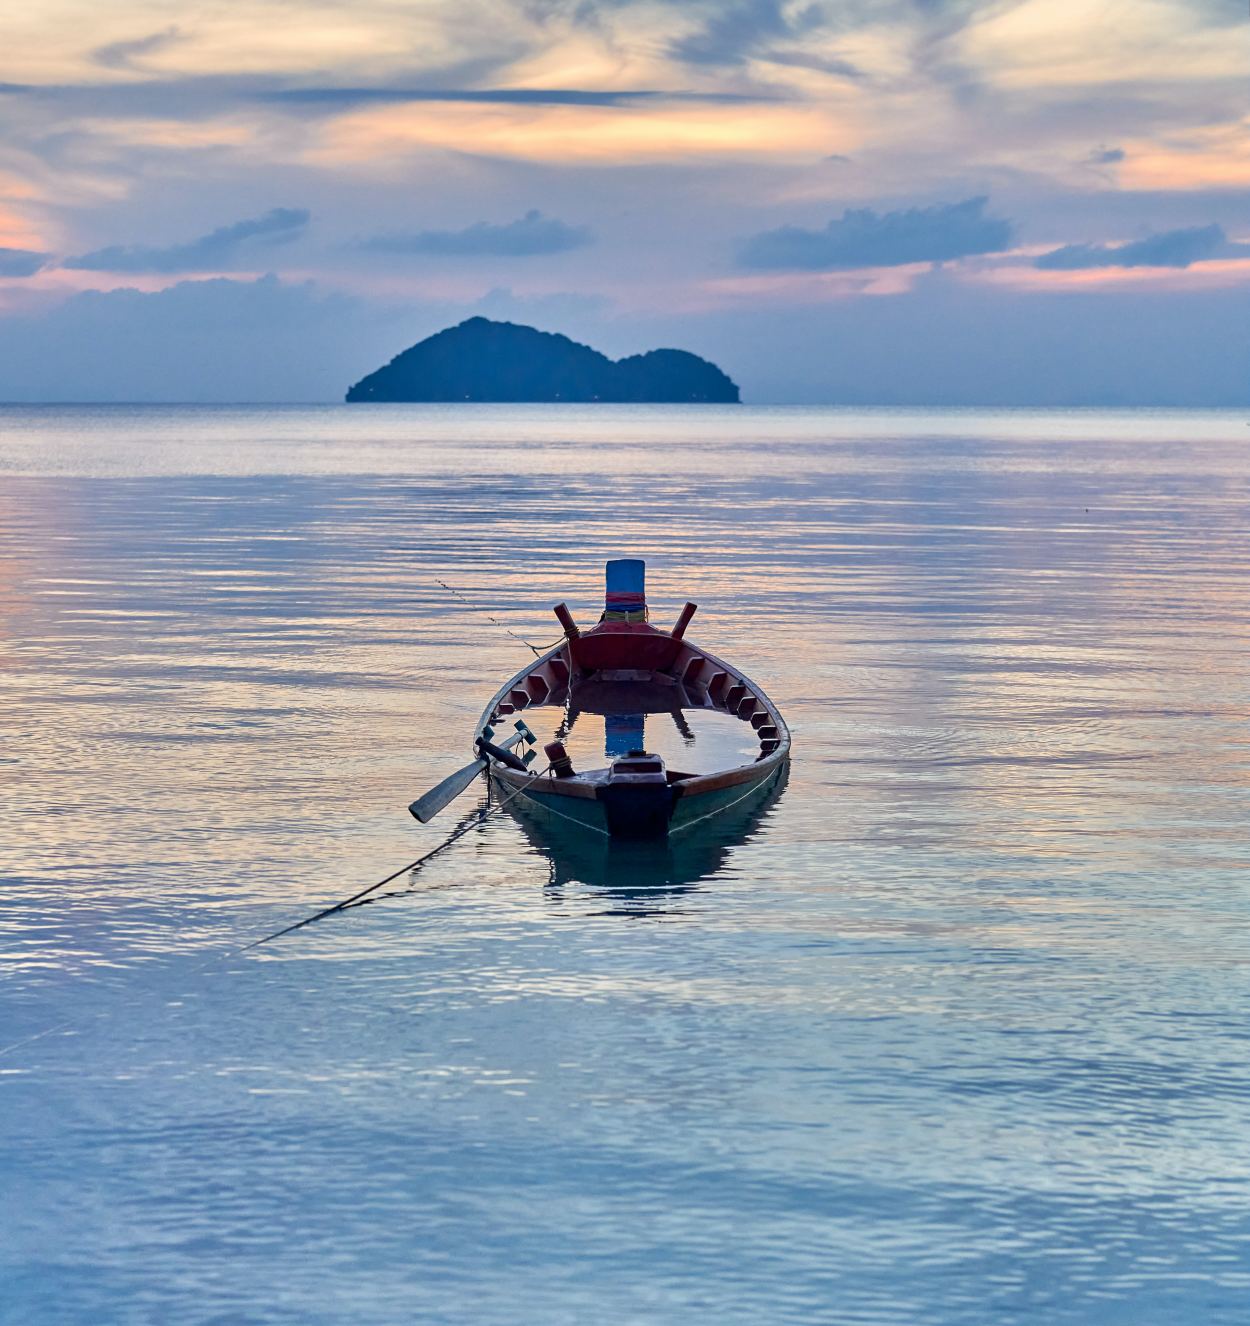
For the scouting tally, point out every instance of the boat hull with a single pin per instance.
(625, 666)
(641, 873)
(543, 800)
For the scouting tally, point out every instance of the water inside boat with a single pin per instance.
(694, 741)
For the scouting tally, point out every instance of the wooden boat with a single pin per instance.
(625, 667)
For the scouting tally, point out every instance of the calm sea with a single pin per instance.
(952, 1032)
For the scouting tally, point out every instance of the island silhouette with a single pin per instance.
(483, 360)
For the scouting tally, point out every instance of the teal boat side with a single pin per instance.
(532, 796)
(693, 810)
(540, 798)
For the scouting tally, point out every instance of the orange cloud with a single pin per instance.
(1069, 43)
(178, 135)
(1221, 271)
(16, 232)
(576, 134)
(815, 287)
(1208, 158)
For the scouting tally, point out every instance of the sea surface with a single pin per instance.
(953, 1031)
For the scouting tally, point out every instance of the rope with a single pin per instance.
(355, 900)
(411, 867)
(538, 653)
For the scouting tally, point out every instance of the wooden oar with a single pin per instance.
(426, 807)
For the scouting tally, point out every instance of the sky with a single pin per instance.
(869, 201)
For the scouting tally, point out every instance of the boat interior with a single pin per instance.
(625, 670)
(707, 708)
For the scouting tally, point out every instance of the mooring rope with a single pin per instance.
(412, 867)
(538, 653)
(471, 822)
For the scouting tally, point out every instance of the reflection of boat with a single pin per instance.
(624, 668)
(645, 871)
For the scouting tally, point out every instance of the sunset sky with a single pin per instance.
(904, 201)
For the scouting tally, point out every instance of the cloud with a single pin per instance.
(121, 54)
(741, 30)
(1107, 156)
(819, 64)
(339, 98)
(200, 97)
(533, 234)
(864, 238)
(272, 340)
(559, 309)
(1111, 346)
(214, 340)
(1171, 248)
(218, 250)
(21, 262)
(733, 31)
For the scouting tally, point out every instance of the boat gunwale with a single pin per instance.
(695, 785)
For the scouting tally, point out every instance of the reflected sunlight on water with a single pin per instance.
(951, 1031)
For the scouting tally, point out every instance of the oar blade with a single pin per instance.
(426, 807)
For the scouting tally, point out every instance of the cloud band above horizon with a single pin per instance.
(627, 158)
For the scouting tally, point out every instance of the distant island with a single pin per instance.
(481, 360)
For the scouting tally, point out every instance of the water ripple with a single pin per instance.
(951, 1032)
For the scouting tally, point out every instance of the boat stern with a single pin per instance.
(637, 797)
